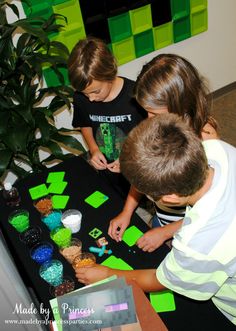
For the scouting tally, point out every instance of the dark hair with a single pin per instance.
(90, 60)
(171, 81)
(162, 155)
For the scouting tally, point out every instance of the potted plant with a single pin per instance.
(27, 122)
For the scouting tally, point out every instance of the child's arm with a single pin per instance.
(98, 160)
(121, 221)
(146, 279)
(154, 238)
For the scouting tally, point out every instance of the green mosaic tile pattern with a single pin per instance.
(130, 28)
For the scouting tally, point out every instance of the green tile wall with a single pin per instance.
(131, 28)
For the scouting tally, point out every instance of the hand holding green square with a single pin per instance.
(116, 263)
(131, 235)
(96, 199)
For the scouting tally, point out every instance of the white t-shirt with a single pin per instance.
(202, 262)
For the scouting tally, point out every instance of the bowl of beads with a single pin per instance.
(42, 252)
(31, 236)
(19, 219)
(53, 219)
(72, 250)
(67, 286)
(84, 260)
(61, 236)
(52, 272)
(44, 205)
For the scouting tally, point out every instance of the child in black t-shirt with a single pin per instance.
(104, 107)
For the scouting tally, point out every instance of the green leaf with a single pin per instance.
(5, 157)
(4, 118)
(68, 141)
(52, 157)
(17, 140)
(43, 125)
(61, 47)
(55, 149)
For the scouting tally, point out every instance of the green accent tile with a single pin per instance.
(124, 50)
(143, 43)
(131, 235)
(162, 301)
(163, 35)
(141, 19)
(181, 29)
(60, 201)
(119, 27)
(42, 9)
(96, 199)
(196, 5)
(55, 176)
(116, 263)
(38, 191)
(95, 233)
(72, 35)
(58, 2)
(71, 10)
(74, 29)
(52, 79)
(57, 187)
(199, 22)
(179, 8)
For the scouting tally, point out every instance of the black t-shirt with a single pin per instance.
(110, 121)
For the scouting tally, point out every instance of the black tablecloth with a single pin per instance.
(83, 181)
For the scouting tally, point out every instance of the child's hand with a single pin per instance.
(92, 274)
(118, 225)
(152, 239)
(98, 160)
(114, 166)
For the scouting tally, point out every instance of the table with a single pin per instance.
(82, 182)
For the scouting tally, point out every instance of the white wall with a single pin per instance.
(213, 52)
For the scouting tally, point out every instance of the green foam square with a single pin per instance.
(96, 199)
(60, 201)
(57, 187)
(38, 191)
(56, 176)
(162, 301)
(116, 263)
(131, 235)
